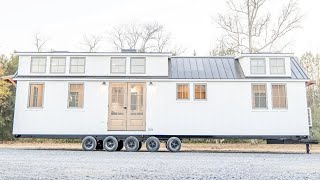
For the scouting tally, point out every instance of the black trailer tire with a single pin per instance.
(174, 144)
(110, 143)
(152, 144)
(131, 144)
(89, 143)
(120, 145)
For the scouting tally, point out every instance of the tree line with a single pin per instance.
(246, 27)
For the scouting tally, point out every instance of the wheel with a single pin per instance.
(140, 145)
(152, 144)
(120, 145)
(89, 143)
(174, 144)
(110, 143)
(131, 144)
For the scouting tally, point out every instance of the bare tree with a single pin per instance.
(143, 37)
(39, 41)
(248, 27)
(91, 42)
(178, 50)
(148, 34)
(162, 40)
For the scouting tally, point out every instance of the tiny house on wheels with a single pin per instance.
(111, 100)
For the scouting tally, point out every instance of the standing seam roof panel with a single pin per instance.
(174, 68)
(194, 68)
(301, 71)
(227, 68)
(217, 68)
(201, 72)
(221, 70)
(214, 68)
(187, 68)
(207, 69)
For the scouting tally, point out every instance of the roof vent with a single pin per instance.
(128, 50)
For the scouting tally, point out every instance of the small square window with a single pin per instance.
(118, 65)
(258, 66)
(77, 64)
(58, 65)
(277, 66)
(138, 65)
(38, 64)
(182, 91)
(200, 91)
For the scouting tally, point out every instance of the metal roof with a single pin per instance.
(216, 68)
(296, 70)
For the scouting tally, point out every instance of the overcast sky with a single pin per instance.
(64, 22)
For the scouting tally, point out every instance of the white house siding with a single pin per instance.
(227, 111)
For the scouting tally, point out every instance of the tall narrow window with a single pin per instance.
(77, 64)
(75, 95)
(279, 96)
(200, 92)
(138, 65)
(259, 96)
(35, 95)
(182, 91)
(58, 65)
(277, 66)
(258, 66)
(118, 65)
(38, 64)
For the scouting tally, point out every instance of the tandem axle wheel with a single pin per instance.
(131, 144)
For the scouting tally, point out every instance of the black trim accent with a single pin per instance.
(164, 137)
(292, 141)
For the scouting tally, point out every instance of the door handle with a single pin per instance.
(124, 107)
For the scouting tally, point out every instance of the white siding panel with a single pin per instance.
(227, 111)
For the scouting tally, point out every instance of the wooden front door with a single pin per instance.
(127, 107)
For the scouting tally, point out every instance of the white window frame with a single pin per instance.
(117, 58)
(64, 65)
(177, 97)
(286, 95)
(75, 83)
(276, 59)
(45, 65)
(144, 65)
(194, 91)
(84, 65)
(258, 59)
(259, 108)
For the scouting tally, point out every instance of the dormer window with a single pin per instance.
(277, 66)
(258, 65)
(118, 65)
(138, 65)
(38, 64)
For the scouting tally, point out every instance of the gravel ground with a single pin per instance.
(76, 164)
